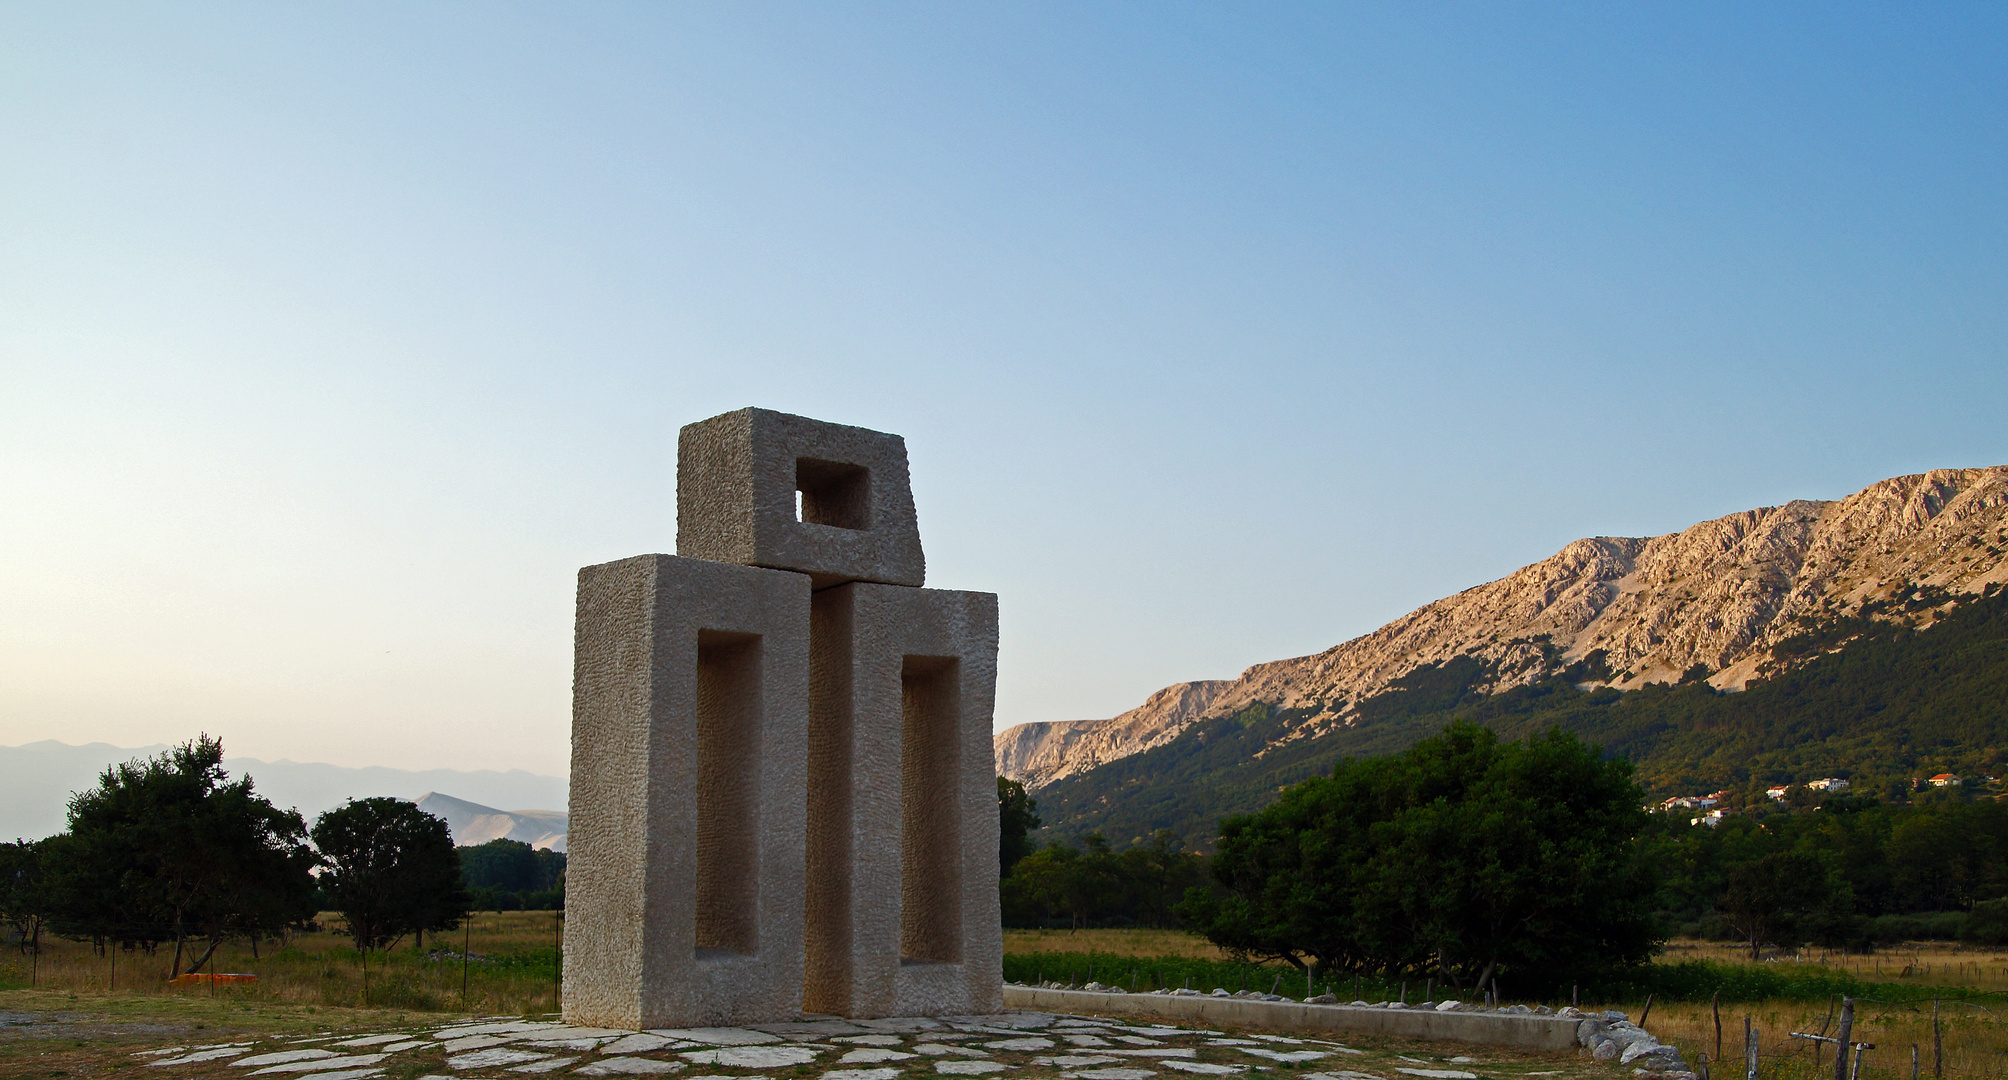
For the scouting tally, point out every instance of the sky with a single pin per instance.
(334, 339)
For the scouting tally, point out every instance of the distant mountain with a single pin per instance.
(473, 823)
(37, 779)
(1624, 612)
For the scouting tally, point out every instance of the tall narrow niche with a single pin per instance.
(728, 785)
(930, 930)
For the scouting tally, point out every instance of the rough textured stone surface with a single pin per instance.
(754, 1057)
(902, 913)
(714, 703)
(684, 878)
(628, 1066)
(1720, 593)
(318, 1065)
(737, 479)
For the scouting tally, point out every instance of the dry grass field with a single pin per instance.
(1923, 963)
(1974, 1039)
(1140, 943)
(511, 970)
(315, 983)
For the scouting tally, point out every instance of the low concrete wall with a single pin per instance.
(1496, 1029)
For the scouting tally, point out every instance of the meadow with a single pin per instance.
(1895, 989)
(511, 967)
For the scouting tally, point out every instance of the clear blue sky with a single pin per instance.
(335, 338)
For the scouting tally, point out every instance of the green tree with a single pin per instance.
(1779, 898)
(510, 875)
(505, 865)
(1462, 856)
(1987, 923)
(171, 849)
(22, 902)
(391, 870)
(1153, 877)
(1017, 816)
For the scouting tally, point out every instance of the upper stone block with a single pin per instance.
(764, 488)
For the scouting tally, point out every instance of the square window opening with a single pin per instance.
(832, 493)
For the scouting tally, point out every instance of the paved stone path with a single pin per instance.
(1030, 1045)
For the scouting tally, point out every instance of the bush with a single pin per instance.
(1988, 924)
(1924, 926)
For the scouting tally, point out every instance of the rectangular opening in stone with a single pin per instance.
(832, 493)
(826, 925)
(930, 893)
(728, 785)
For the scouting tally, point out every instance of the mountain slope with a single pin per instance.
(1914, 690)
(1618, 611)
(472, 823)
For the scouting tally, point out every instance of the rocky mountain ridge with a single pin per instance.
(1622, 611)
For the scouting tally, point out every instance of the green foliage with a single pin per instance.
(391, 869)
(169, 849)
(1155, 972)
(1873, 871)
(1699, 980)
(1017, 816)
(1891, 704)
(21, 895)
(1774, 897)
(1690, 980)
(1095, 885)
(1463, 856)
(510, 875)
(1988, 923)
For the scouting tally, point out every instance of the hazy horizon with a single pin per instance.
(336, 339)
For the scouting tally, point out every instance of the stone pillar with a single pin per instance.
(902, 865)
(782, 800)
(684, 876)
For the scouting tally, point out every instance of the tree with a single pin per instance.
(1153, 877)
(1987, 923)
(511, 875)
(171, 849)
(1461, 857)
(391, 870)
(505, 865)
(1769, 898)
(1017, 816)
(21, 895)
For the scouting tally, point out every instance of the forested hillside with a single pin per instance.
(1875, 701)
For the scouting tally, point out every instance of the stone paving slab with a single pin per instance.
(1021, 1045)
(1496, 1028)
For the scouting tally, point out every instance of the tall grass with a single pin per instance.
(512, 969)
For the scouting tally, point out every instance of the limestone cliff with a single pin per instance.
(1719, 594)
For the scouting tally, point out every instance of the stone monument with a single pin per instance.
(782, 801)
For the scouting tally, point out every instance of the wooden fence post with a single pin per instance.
(1715, 1003)
(1750, 1037)
(1937, 1045)
(1841, 1037)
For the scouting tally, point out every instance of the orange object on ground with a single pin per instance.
(192, 978)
